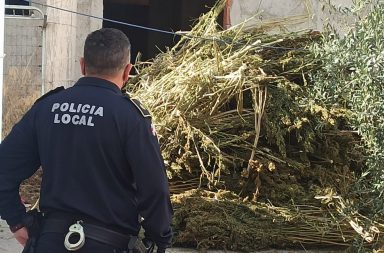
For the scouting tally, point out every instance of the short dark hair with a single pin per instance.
(106, 51)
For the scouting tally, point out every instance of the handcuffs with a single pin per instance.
(134, 245)
(75, 229)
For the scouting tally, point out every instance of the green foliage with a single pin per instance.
(351, 76)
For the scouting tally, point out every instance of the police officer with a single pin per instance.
(102, 167)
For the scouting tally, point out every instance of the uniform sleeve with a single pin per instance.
(19, 159)
(144, 157)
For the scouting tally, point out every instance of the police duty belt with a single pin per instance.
(82, 231)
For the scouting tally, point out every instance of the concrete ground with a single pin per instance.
(8, 244)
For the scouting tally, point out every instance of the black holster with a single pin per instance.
(32, 222)
(141, 246)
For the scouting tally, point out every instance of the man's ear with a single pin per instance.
(126, 72)
(82, 66)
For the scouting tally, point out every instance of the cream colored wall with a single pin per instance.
(60, 43)
(86, 25)
(66, 33)
(285, 15)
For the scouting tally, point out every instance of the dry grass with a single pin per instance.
(20, 92)
(19, 96)
(208, 96)
(236, 100)
(222, 219)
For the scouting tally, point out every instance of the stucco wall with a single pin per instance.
(286, 15)
(66, 33)
(84, 26)
(60, 43)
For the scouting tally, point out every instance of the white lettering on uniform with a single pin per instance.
(75, 119)
(83, 121)
(66, 118)
(92, 109)
(99, 111)
(85, 108)
(64, 107)
(71, 108)
(90, 123)
(56, 120)
(55, 106)
(76, 114)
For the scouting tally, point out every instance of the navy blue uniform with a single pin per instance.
(100, 157)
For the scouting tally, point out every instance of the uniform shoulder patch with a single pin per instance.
(139, 106)
(51, 92)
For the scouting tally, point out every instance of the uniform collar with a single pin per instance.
(98, 82)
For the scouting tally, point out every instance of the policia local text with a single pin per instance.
(80, 114)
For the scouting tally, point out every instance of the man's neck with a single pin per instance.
(108, 78)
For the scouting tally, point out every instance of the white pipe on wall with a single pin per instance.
(2, 34)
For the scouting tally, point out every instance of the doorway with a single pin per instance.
(168, 15)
